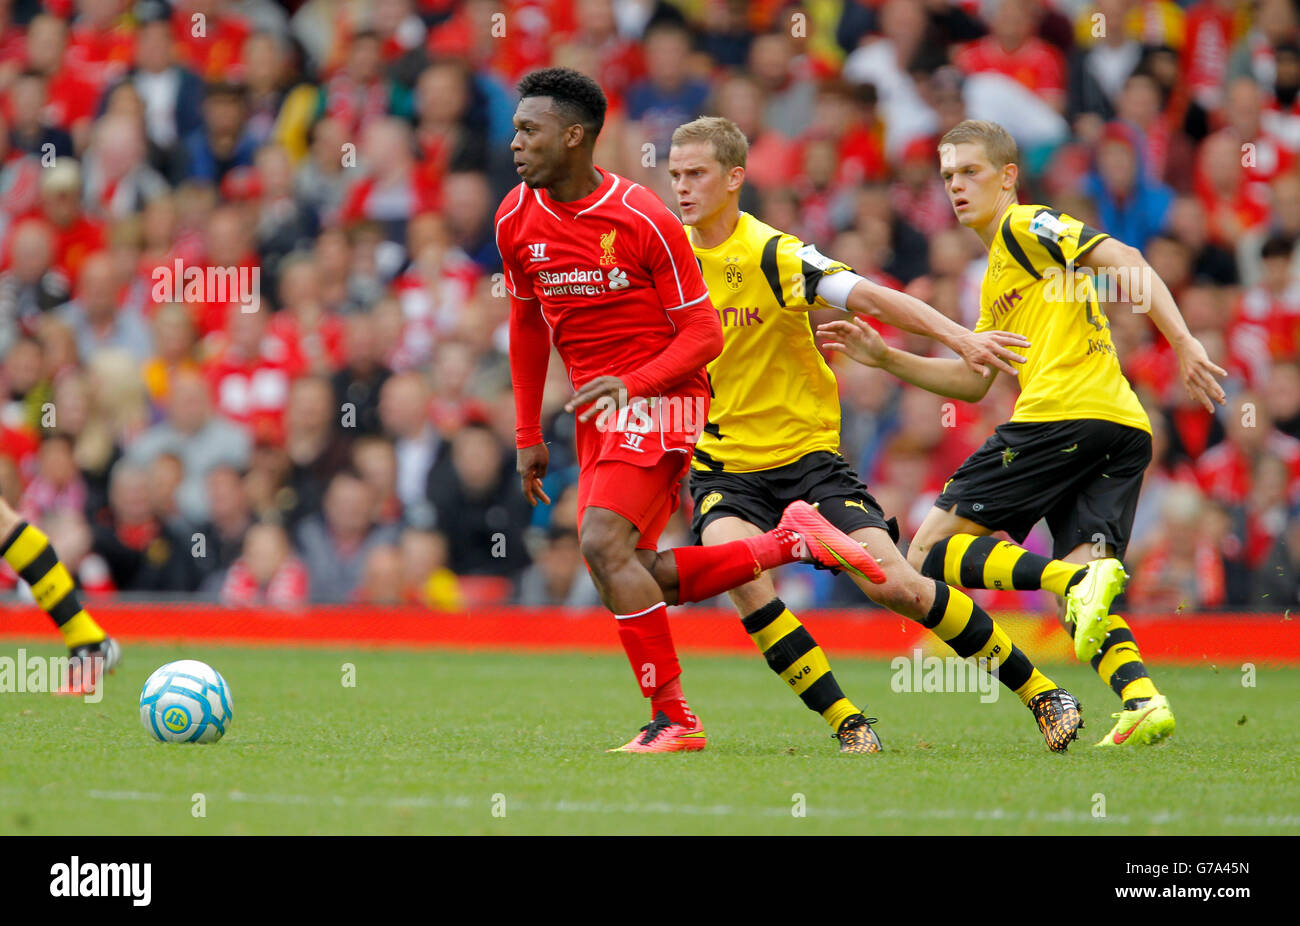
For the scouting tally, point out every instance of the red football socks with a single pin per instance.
(671, 701)
(649, 646)
(703, 572)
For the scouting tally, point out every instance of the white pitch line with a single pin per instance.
(462, 802)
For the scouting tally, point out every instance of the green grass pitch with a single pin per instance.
(448, 742)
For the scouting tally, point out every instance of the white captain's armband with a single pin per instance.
(834, 288)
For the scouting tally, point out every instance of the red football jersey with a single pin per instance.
(608, 271)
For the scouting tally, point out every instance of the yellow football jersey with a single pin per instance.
(1032, 288)
(774, 398)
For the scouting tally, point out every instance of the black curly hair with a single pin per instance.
(576, 95)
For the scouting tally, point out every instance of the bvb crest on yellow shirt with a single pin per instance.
(608, 258)
(731, 273)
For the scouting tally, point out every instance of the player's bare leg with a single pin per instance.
(608, 542)
(954, 617)
(940, 525)
(790, 650)
(8, 518)
(27, 550)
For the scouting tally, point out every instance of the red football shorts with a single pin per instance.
(632, 464)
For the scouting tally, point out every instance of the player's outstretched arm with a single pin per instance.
(1197, 371)
(947, 376)
(980, 351)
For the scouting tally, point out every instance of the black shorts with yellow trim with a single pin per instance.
(1083, 476)
(820, 478)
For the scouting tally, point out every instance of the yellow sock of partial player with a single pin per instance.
(958, 621)
(795, 657)
(81, 630)
(1037, 684)
(28, 551)
(986, 562)
(998, 643)
(1120, 664)
(839, 712)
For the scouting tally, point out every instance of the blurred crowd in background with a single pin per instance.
(351, 440)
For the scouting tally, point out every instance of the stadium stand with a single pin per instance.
(247, 289)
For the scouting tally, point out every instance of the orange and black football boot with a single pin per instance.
(856, 736)
(1058, 715)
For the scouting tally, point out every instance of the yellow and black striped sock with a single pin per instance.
(1120, 664)
(986, 562)
(794, 655)
(29, 552)
(958, 621)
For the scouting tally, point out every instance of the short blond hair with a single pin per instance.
(730, 146)
(998, 144)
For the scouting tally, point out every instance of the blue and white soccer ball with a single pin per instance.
(186, 701)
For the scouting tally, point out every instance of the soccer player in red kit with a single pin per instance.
(601, 267)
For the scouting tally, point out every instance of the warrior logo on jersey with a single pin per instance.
(731, 273)
(608, 258)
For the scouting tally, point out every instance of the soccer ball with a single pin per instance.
(186, 702)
